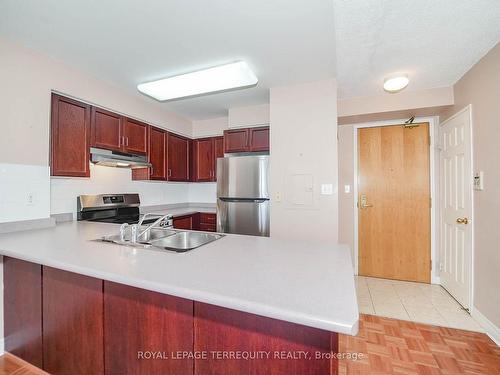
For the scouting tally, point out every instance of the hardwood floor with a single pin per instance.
(389, 346)
(12, 365)
(392, 346)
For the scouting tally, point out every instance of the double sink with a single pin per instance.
(165, 239)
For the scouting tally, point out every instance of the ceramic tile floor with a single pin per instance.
(416, 302)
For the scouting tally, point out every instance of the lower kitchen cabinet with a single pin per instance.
(207, 222)
(184, 222)
(22, 294)
(72, 323)
(91, 326)
(217, 329)
(139, 322)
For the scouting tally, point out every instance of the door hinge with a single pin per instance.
(430, 264)
(430, 202)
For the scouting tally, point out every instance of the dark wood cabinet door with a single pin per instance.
(183, 222)
(259, 139)
(157, 154)
(69, 138)
(106, 130)
(22, 304)
(204, 159)
(135, 137)
(236, 140)
(219, 153)
(178, 158)
(138, 321)
(220, 329)
(72, 323)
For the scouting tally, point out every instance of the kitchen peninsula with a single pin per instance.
(75, 305)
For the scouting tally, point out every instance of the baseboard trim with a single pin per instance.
(490, 329)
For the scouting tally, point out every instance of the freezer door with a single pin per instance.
(245, 216)
(243, 177)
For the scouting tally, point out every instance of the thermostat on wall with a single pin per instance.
(479, 180)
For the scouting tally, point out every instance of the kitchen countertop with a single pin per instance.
(181, 211)
(311, 285)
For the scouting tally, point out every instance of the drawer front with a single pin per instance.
(206, 218)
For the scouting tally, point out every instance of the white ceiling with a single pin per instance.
(285, 41)
(434, 41)
(129, 42)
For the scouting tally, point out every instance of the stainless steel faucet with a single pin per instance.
(150, 226)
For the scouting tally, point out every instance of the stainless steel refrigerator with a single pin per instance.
(243, 195)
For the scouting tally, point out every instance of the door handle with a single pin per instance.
(462, 220)
(364, 202)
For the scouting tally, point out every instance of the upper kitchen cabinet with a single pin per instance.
(70, 137)
(106, 130)
(246, 140)
(112, 131)
(236, 140)
(178, 158)
(259, 139)
(157, 154)
(135, 136)
(204, 159)
(205, 154)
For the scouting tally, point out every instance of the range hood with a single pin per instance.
(117, 159)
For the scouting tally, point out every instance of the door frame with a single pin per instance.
(471, 176)
(433, 169)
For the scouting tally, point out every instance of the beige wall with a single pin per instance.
(248, 116)
(386, 102)
(346, 177)
(304, 156)
(210, 127)
(480, 87)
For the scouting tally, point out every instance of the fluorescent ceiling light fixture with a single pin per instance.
(395, 84)
(219, 78)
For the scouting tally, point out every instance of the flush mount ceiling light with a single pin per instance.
(219, 78)
(395, 84)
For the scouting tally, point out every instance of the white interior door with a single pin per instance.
(456, 206)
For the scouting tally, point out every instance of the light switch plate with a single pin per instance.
(326, 189)
(479, 180)
(347, 189)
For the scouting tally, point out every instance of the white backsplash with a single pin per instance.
(108, 180)
(205, 192)
(24, 192)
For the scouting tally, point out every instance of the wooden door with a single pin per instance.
(138, 321)
(236, 140)
(394, 202)
(69, 138)
(135, 137)
(22, 303)
(456, 206)
(204, 154)
(178, 158)
(259, 139)
(72, 323)
(106, 130)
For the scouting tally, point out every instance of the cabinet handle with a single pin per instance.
(169, 172)
(151, 171)
(127, 141)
